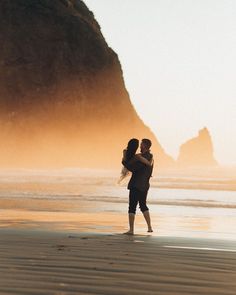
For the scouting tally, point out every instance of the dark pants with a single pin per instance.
(135, 197)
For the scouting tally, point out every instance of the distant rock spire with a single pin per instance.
(198, 151)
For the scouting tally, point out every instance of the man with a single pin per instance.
(139, 185)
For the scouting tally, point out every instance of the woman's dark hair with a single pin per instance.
(132, 148)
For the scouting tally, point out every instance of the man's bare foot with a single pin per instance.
(129, 232)
(150, 230)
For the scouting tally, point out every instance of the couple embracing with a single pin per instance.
(141, 166)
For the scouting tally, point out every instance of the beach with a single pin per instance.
(61, 232)
(41, 262)
(100, 96)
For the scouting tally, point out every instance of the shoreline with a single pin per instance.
(85, 218)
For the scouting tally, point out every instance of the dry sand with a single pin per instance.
(43, 262)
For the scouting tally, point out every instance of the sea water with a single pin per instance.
(91, 200)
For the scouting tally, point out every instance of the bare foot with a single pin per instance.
(130, 233)
(150, 230)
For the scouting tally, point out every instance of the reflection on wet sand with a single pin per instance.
(82, 216)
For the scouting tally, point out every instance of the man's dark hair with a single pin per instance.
(147, 143)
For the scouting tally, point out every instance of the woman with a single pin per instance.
(130, 153)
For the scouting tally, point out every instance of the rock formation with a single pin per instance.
(63, 101)
(198, 151)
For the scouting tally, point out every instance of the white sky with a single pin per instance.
(179, 64)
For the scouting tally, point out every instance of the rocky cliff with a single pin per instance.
(63, 101)
(198, 151)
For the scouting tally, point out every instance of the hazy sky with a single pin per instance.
(179, 63)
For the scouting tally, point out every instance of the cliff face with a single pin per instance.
(62, 96)
(198, 151)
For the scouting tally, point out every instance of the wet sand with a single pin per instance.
(50, 262)
(61, 234)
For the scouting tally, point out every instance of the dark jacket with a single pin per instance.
(141, 173)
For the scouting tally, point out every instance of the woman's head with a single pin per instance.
(132, 147)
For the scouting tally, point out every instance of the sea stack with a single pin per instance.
(198, 151)
(62, 94)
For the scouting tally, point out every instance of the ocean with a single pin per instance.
(183, 204)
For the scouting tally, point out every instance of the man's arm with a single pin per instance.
(133, 165)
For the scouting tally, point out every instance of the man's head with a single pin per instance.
(145, 145)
